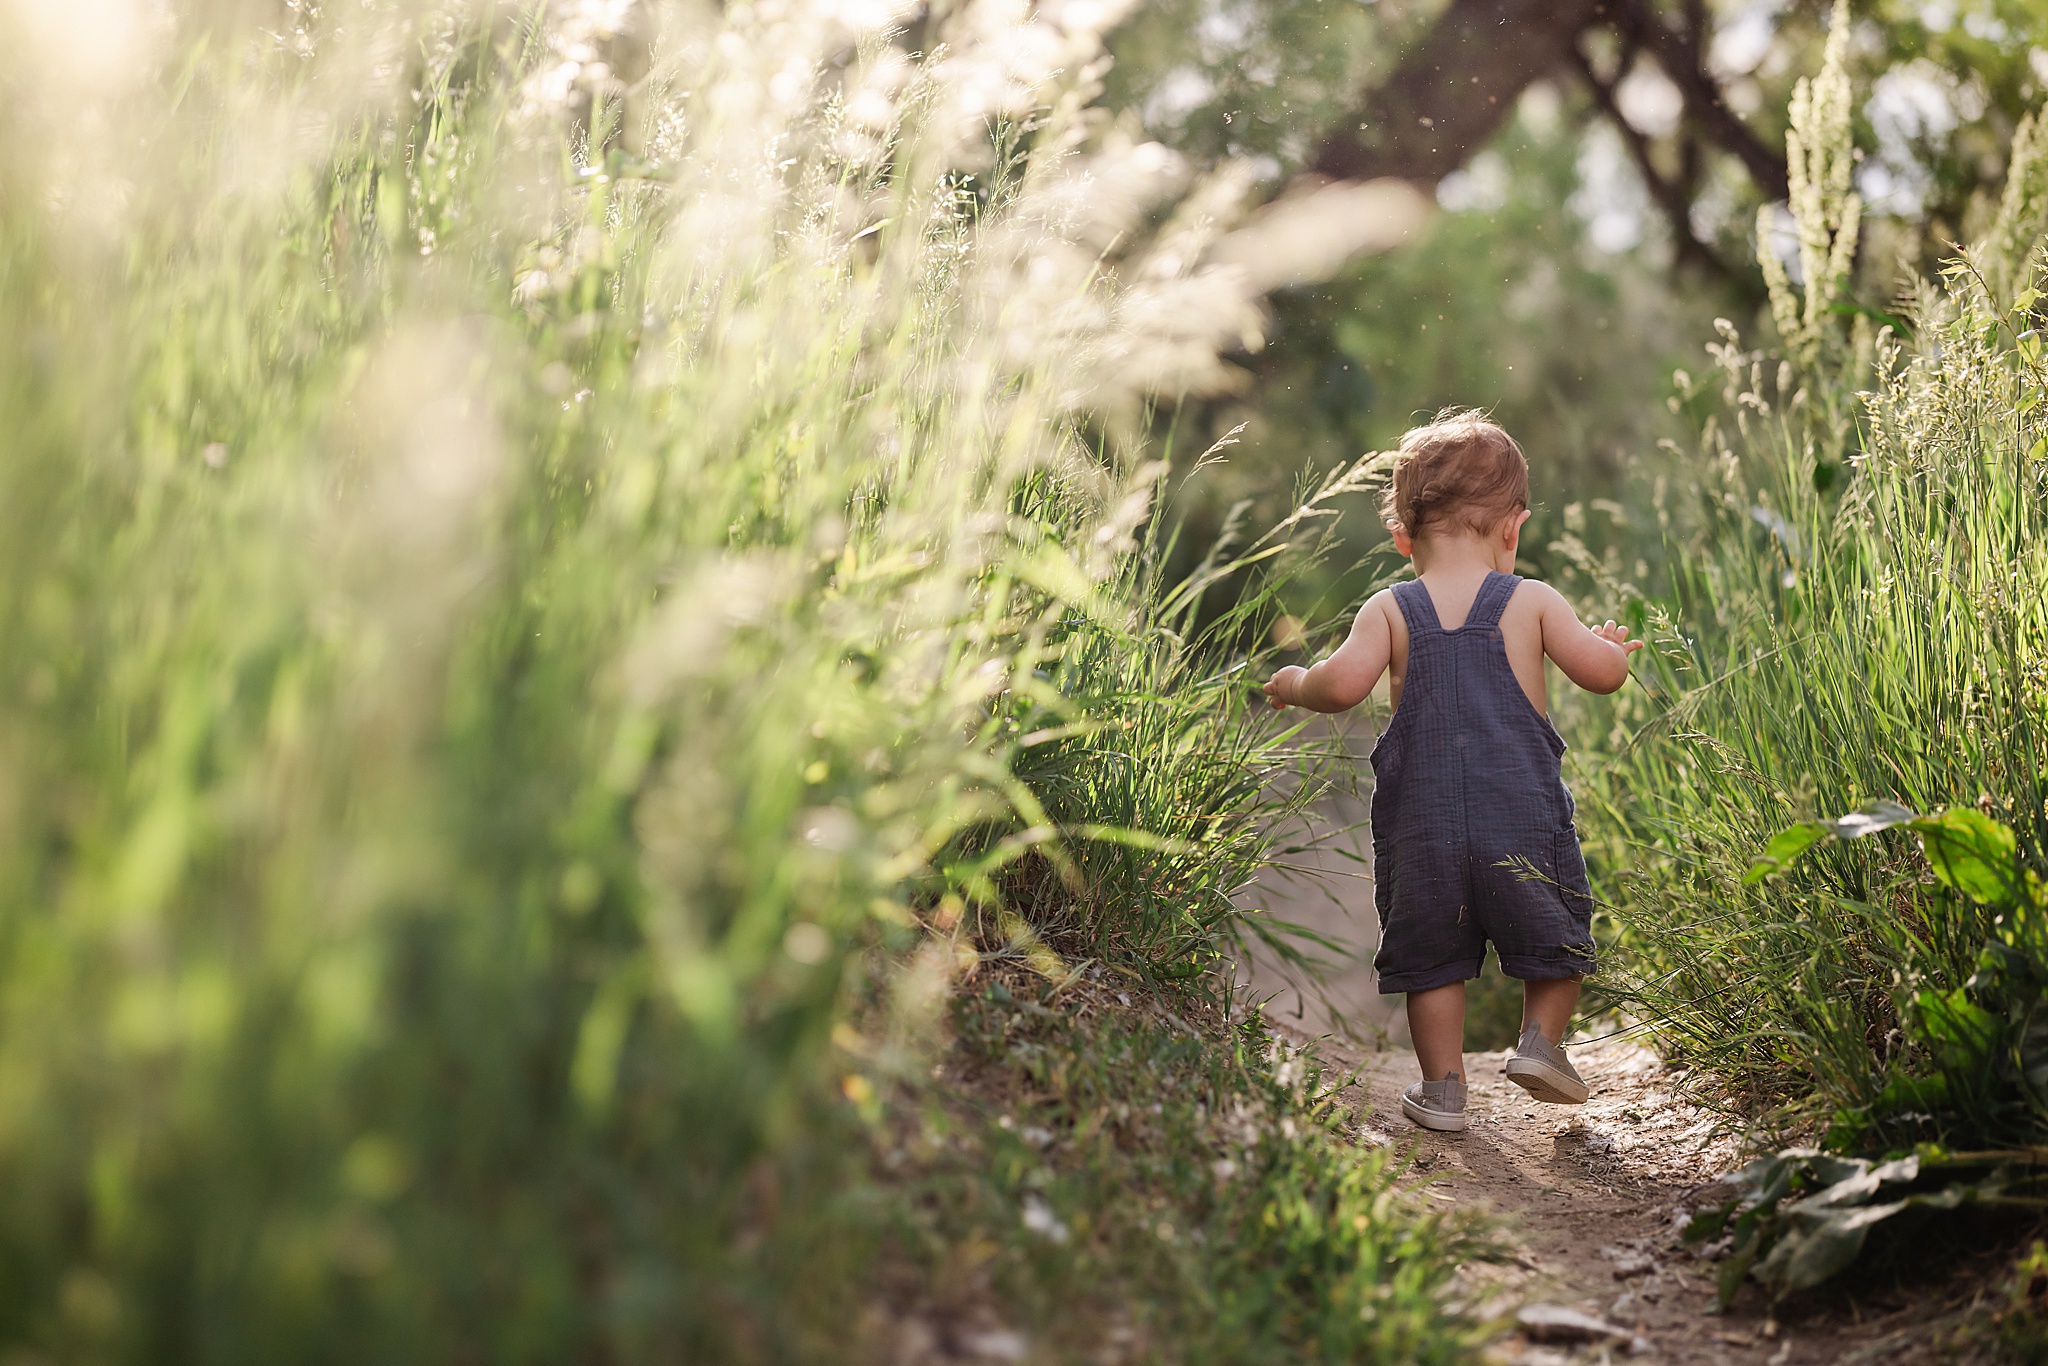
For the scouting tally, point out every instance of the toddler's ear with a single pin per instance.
(1403, 542)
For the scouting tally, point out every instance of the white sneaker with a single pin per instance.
(1541, 1068)
(1436, 1105)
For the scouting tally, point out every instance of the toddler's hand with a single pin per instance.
(1280, 690)
(1617, 635)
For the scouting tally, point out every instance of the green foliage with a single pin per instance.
(1258, 81)
(540, 561)
(1799, 1218)
(1204, 1192)
(1975, 1060)
(1985, 1041)
(1176, 781)
(1857, 609)
(1508, 301)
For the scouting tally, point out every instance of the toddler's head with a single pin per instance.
(1459, 473)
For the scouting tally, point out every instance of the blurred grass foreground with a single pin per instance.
(566, 569)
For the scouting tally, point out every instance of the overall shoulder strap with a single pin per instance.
(1416, 608)
(1492, 599)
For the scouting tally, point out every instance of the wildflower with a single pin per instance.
(1039, 1218)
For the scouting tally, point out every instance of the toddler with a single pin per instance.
(1469, 795)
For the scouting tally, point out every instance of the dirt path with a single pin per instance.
(1593, 1196)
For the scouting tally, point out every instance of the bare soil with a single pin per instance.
(1593, 1198)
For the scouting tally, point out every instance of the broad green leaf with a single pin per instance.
(1788, 846)
(1708, 1223)
(1785, 849)
(1793, 1244)
(1972, 853)
(1777, 1178)
(1964, 1030)
(1818, 1243)
(1855, 1184)
(1732, 1273)
(1829, 1169)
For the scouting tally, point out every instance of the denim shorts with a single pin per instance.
(1445, 904)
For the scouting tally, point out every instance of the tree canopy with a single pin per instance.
(1694, 91)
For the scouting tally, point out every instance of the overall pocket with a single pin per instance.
(1572, 884)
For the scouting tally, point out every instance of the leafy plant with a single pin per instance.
(1975, 1056)
(1195, 1189)
(1801, 1217)
(1856, 607)
(1985, 1043)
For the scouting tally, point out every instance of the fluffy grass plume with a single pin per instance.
(547, 551)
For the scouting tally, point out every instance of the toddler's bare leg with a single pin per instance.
(1547, 1005)
(1436, 1022)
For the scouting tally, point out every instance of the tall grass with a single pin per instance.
(547, 554)
(1201, 1198)
(1861, 614)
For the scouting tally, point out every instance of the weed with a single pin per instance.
(1136, 1186)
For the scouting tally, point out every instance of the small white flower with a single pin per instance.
(1039, 1218)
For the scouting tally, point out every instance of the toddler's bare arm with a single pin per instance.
(1346, 678)
(1594, 657)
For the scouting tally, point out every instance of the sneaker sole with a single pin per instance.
(1546, 1083)
(1433, 1119)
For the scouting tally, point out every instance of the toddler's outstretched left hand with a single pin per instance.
(1280, 689)
(1617, 635)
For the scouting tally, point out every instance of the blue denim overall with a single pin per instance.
(1471, 824)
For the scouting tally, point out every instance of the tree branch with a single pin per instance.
(1681, 54)
(1674, 198)
(1452, 92)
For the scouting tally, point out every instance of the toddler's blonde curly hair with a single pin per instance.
(1462, 469)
